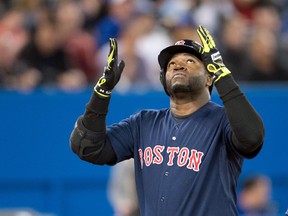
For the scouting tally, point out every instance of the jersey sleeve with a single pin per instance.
(123, 137)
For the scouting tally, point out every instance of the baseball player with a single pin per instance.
(187, 157)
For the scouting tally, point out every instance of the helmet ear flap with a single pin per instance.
(162, 77)
(163, 80)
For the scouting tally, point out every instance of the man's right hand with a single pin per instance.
(112, 72)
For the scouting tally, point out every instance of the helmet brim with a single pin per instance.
(167, 53)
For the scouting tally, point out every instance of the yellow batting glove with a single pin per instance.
(112, 72)
(211, 57)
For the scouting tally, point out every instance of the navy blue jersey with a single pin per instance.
(187, 167)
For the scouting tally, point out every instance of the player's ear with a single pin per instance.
(209, 80)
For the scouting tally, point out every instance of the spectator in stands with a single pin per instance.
(45, 56)
(34, 11)
(93, 12)
(266, 15)
(136, 70)
(135, 41)
(215, 11)
(118, 13)
(254, 198)
(156, 36)
(246, 7)
(84, 26)
(234, 43)
(13, 37)
(78, 44)
(268, 61)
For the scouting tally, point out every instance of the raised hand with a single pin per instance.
(112, 72)
(211, 56)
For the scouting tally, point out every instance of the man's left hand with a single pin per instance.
(211, 56)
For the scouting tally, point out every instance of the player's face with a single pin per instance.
(186, 73)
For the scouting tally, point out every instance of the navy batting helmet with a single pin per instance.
(182, 46)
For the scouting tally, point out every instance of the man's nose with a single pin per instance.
(179, 66)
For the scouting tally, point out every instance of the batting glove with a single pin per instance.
(112, 72)
(211, 57)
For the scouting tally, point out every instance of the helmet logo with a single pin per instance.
(181, 42)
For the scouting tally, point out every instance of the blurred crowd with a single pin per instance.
(64, 43)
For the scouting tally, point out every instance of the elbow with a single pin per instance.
(88, 145)
(75, 141)
(252, 141)
(259, 135)
(256, 139)
(84, 147)
(80, 140)
(256, 136)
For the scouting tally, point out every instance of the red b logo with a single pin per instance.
(181, 42)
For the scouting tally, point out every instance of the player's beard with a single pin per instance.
(194, 85)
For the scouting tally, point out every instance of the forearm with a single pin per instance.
(94, 118)
(246, 124)
(88, 139)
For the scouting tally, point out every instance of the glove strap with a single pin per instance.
(102, 92)
(221, 73)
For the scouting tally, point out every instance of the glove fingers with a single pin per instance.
(118, 72)
(209, 38)
(121, 66)
(202, 36)
(203, 31)
(113, 44)
(206, 38)
(112, 54)
(112, 72)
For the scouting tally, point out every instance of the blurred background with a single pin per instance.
(53, 51)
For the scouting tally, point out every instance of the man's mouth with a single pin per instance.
(179, 74)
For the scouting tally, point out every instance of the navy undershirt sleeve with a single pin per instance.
(247, 125)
